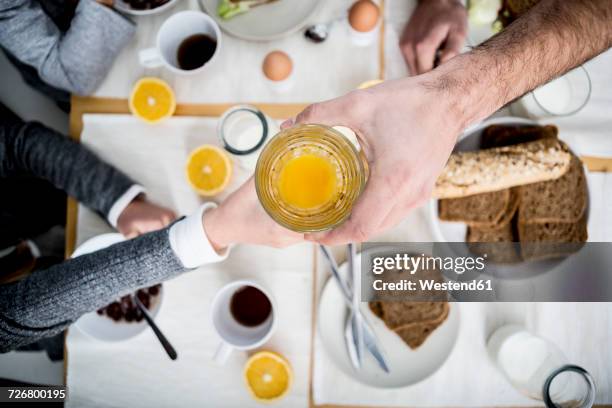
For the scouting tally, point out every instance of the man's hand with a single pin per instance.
(434, 25)
(141, 216)
(241, 219)
(407, 129)
(107, 3)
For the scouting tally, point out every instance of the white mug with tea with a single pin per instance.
(243, 314)
(186, 43)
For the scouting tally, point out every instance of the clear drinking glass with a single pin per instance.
(539, 369)
(563, 96)
(243, 130)
(323, 141)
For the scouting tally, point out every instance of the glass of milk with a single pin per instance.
(539, 369)
(243, 131)
(563, 96)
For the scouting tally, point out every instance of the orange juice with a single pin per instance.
(308, 177)
(307, 181)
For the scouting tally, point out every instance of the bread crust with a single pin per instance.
(495, 169)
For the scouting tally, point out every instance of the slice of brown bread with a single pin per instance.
(507, 135)
(398, 314)
(482, 171)
(485, 209)
(544, 240)
(415, 334)
(498, 243)
(560, 200)
(376, 308)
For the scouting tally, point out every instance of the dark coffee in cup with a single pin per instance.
(195, 51)
(250, 306)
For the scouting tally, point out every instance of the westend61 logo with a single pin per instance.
(422, 275)
(412, 263)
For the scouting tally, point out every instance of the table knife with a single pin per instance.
(370, 340)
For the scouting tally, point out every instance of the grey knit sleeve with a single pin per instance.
(35, 150)
(76, 61)
(46, 302)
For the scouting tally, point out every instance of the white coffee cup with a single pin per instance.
(235, 336)
(170, 36)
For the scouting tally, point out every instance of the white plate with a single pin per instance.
(103, 327)
(445, 231)
(124, 7)
(406, 366)
(267, 22)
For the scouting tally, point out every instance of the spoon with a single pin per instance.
(160, 336)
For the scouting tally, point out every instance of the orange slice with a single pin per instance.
(268, 376)
(152, 100)
(209, 170)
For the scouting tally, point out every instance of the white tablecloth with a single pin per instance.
(138, 374)
(321, 71)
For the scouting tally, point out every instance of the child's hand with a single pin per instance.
(241, 219)
(141, 216)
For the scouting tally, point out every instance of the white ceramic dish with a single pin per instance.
(456, 231)
(102, 327)
(267, 22)
(124, 7)
(406, 366)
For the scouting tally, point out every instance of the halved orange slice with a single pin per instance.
(152, 100)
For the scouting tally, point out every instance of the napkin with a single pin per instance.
(137, 372)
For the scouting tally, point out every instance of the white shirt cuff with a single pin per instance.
(189, 241)
(122, 202)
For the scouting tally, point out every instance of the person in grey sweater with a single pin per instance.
(48, 300)
(60, 48)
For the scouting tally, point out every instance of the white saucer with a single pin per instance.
(406, 366)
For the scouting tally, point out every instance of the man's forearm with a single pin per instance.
(547, 41)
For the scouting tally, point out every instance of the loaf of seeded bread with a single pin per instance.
(482, 171)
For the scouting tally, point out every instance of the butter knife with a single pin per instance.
(370, 341)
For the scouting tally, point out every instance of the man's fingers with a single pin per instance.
(407, 49)
(452, 46)
(367, 215)
(286, 124)
(426, 49)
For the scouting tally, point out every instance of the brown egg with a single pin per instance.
(363, 15)
(277, 66)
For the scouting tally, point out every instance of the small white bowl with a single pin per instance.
(124, 7)
(102, 327)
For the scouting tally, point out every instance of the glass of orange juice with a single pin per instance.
(309, 176)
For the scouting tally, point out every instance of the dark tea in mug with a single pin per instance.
(195, 51)
(250, 306)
